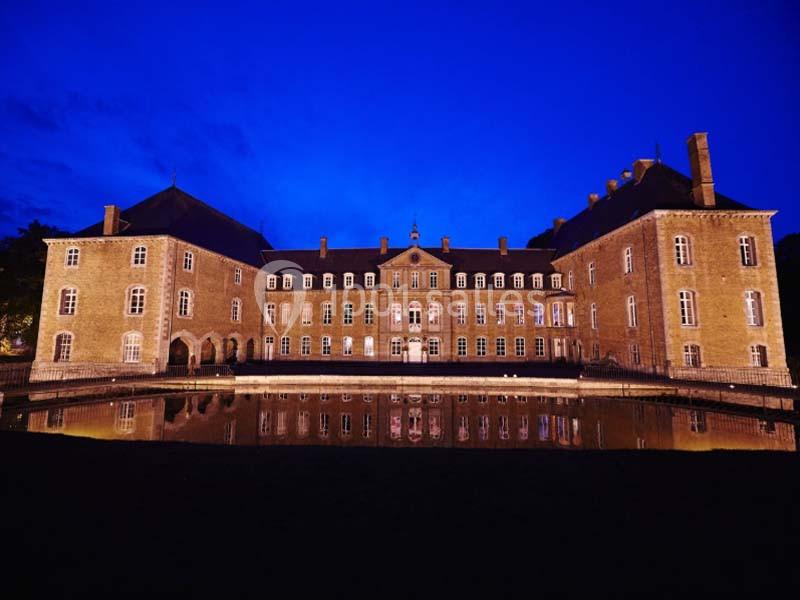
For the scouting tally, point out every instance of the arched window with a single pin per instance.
(570, 280)
(538, 314)
(633, 319)
(396, 315)
(185, 303)
(72, 257)
(136, 300)
(139, 258)
(132, 347)
(236, 310)
(592, 273)
(63, 347)
(67, 301)
(480, 346)
(687, 308)
(683, 251)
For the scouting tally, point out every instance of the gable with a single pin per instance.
(415, 257)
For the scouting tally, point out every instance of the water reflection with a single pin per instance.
(473, 420)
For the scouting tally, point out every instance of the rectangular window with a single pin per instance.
(369, 280)
(687, 309)
(753, 310)
(288, 281)
(682, 255)
(285, 345)
(500, 311)
(519, 314)
(229, 433)
(126, 415)
(286, 313)
(502, 427)
(522, 432)
(396, 424)
(305, 345)
(434, 280)
(628, 261)
(347, 346)
(433, 346)
(543, 422)
(558, 314)
(414, 280)
(461, 280)
(324, 425)
(461, 346)
(691, 355)
(369, 346)
(366, 425)
(480, 346)
(72, 257)
(272, 282)
(139, 256)
(435, 424)
(68, 301)
(327, 313)
(480, 281)
(269, 314)
(461, 313)
(483, 427)
(303, 423)
(397, 316)
(307, 313)
(347, 316)
(758, 355)
(395, 280)
(264, 423)
(636, 356)
(326, 346)
(592, 274)
(747, 250)
(500, 346)
(346, 424)
(539, 347)
(327, 281)
(132, 348)
(348, 281)
(237, 276)
(369, 314)
(188, 261)
(463, 428)
(519, 346)
(308, 281)
(136, 304)
(593, 315)
(480, 314)
(396, 347)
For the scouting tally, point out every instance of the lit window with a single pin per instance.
(397, 315)
(519, 346)
(499, 281)
(633, 319)
(687, 308)
(305, 345)
(502, 427)
(237, 276)
(519, 281)
(72, 257)
(480, 314)
(461, 346)
(286, 313)
(55, 418)
(758, 355)
(185, 303)
(236, 310)
(434, 280)
(132, 348)
(500, 312)
(265, 423)
(557, 309)
(369, 346)
(303, 423)
(519, 314)
(480, 281)
(327, 281)
(136, 301)
(500, 346)
(347, 346)
(369, 280)
(348, 280)
(570, 280)
(753, 309)
(747, 250)
(280, 425)
(347, 424)
(188, 261)
(543, 422)
(522, 431)
(480, 346)
(538, 314)
(628, 260)
(140, 256)
(396, 347)
(326, 345)
(483, 427)
(126, 416)
(63, 347)
(324, 425)
(308, 281)
(366, 425)
(463, 428)
(68, 301)
(683, 255)
(347, 314)
(414, 313)
(433, 346)
(697, 421)
(461, 280)
(285, 345)
(691, 355)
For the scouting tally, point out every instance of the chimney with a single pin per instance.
(557, 223)
(700, 162)
(503, 245)
(445, 244)
(384, 245)
(323, 247)
(611, 186)
(111, 220)
(593, 198)
(640, 167)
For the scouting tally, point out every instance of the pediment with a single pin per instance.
(415, 257)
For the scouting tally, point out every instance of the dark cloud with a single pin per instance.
(30, 115)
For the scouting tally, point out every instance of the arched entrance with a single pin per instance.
(250, 350)
(231, 350)
(178, 352)
(208, 352)
(415, 350)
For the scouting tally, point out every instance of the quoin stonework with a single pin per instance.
(660, 274)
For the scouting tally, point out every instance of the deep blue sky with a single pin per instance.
(346, 119)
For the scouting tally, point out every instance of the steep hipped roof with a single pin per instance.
(174, 212)
(661, 188)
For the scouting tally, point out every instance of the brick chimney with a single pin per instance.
(111, 220)
(593, 198)
(611, 186)
(700, 163)
(557, 223)
(503, 245)
(323, 247)
(445, 244)
(384, 245)
(640, 167)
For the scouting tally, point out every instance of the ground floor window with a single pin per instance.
(483, 427)
(463, 428)
(758, 355)
(500, 346)
(433, 347)
(519, 346)
(480, 346)
(285, 345)
(636, 356)
(539, 349)
(132, 348)
(347, 424)
(366, 429)
(396, 347)
(461, 346)
(324, 425)
(691, 355)
(305, 345)
(522, 433)
(264, 423)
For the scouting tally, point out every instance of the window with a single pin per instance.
(557, 309)
(285, 345)
(435, 424)
(395, 280)
(55, 418)
(480, 281)
(307, 314)
(461, 280)
(480, 346)
(483, 427)
(272, 282)
(635, 354)
(327, 313)
(433, 346)
(519, 314)
(461, 313)
(500, 312)
(434, 315)
(286, 313)
(592, 274)
(687, 308)
(683, 255)
(480, 314)
(237, 276)
(461, 346)
(499, 281)
(500, 346)
(132, 348)
(136, 301)
(414, 280)
(326, 345)
(697, 421)
(747, 250)
(519, 281)
(502, 427)
(236, 310)
(369, 346)
(188, 261)
(691, 355)
(628, 260)
(369, 280)
(347, 314)
(67, 301)
(269, 314)
(288, 281)
(327, 281)
(140, 256)
(280, 425)
(593, 315)
(539, 347)
(595, 351)
(519, 346)
(303, 423)
(414, 313)
(63, 349)
(308, 281)
(396, 424)
(324, 425)
(305, 345)
(366, 425)
(537, 281)
(633, 320)
(396, 347)
(758, 355)
(397, 315)
(543, 422)
(538, 314)
(348, 281)
(434, 280)
(369, 314)
(347, 346)
(185, 304)
(753, 310)
(570, 280)
(555, 281)
(463, 428)
(558, 348)
(72, 257)
(347, 424)
(522, 432)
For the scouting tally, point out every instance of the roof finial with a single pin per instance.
(174, 176)
(414, 235)
(658, 152)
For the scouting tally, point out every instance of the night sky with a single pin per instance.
(347, 119)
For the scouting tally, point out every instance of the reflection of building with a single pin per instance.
(662, 274)
(469, 420)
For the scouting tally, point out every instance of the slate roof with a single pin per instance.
(174, 212)
(661, 187)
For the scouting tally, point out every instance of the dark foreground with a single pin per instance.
(135, 518)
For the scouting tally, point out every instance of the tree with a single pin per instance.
(22, 266)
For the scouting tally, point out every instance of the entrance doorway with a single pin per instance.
(415, 350)
(178, 352)
(269, 347)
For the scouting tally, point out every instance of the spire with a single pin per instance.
(414, 235)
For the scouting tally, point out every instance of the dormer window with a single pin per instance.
(480, 281)
(327, 281)
(288, 281)
(369, 280)
(461, 280)
(537, 281)
(348, 281)
(519, 281)
(272, 282)
(499, 281)
(555, 281)
(308, 281)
